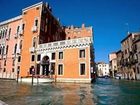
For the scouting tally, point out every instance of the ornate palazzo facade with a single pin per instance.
(36, 41)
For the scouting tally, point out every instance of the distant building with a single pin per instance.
(113, 64)
(130, 57)
(102, 69)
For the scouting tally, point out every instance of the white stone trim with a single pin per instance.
(54, 50)
(60, 45)
(11, 20)
(32, 6)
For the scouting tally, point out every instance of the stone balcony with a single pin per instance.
(72, 43)
(2, 41)
(32, 49)
(18, 51)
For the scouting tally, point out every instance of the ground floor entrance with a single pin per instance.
(43, 69)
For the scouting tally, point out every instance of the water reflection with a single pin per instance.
(116, 92)
(103, 92)
(46, 94)
(76, 94)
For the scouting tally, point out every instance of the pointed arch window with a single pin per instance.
(0, 49)
(3, 50)
(0, 32)
(34, 42)
(15, 49)
(4, 62)
(5, 32)
(23, 26)
(9, 33)
(20, 45)
(36, 22)
(7, 49)
(17, 29)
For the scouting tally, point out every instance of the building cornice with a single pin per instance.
(126, 37)
(32, 6)
(10, 20)
(130, 34)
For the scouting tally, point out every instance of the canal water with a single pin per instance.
(102, 92)
(116, 92)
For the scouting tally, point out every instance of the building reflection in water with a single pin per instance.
(46, 94)
(76, 94)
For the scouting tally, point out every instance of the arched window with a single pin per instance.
(7, 49)
(4, 62)
(36, 22)
(34, 42)
(15, 48)
(9, 33)
(3, 32)
(23, 26)
(17, 29)
(0, 49)
(3, 50)
(0, 34)
(45, 60)
(20, 45)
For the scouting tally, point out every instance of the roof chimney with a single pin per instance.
(47, 4)
(72, 27)
(83, 25)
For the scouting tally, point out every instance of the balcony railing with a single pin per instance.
(2, 41)
(7, 37)
(18, 51)
(65, 43)
(4, 56)
(34, 29)
(78, 41)
(20, 33)
(32, 49)
(16, 35)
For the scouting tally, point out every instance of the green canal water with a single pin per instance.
(116, 92)
(102, 92)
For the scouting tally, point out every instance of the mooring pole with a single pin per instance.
(17, 75)
(33, 70)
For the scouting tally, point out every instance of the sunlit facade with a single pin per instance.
(128, 58)
(113, 64)
(35, 40)
(102, 69)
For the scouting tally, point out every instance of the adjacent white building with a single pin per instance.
(102, 69)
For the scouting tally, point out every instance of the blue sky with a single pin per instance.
(108, 18)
